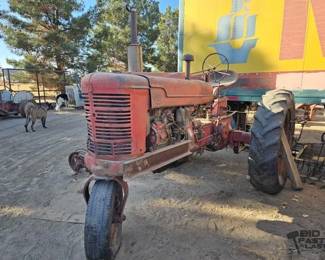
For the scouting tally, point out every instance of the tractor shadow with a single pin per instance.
(211, 195)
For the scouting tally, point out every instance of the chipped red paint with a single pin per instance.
(118, 108)
(170, 92)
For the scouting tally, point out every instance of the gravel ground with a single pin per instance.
(204, 209)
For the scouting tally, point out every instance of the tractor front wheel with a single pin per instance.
(103, 228)
(266, 162)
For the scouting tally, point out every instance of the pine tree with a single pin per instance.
(167, 41)
(47, 34)
(111, 35)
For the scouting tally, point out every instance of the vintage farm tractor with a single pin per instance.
(140, 122)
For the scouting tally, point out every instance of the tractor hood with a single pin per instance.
(168, 90)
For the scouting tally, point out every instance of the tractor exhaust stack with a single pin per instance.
(135, 63)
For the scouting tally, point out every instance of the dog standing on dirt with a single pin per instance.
(34, 112)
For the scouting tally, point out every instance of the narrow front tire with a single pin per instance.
(103, 229)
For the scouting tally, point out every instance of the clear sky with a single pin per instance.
(6, 53)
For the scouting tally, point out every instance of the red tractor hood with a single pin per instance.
(166, 90)
(176, 91)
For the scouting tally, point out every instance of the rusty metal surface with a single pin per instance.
(237, 136)
(112, 81)
(77, 160)
(207, 136)
(169, 92)
(175, 75)
(310, 159)
(117, 110)
(220, 107)
(116, 106)
(148, 162)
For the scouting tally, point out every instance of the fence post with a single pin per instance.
(3, 78)
(8, 71)
(38, 91)
(44, 97)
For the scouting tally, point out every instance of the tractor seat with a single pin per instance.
(222, 78)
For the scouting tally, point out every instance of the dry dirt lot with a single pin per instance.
(205, 209)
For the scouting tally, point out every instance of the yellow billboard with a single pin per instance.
(255, 35)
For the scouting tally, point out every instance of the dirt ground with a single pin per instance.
(204, 209)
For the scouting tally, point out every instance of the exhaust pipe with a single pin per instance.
(188, 58)
(135, 62)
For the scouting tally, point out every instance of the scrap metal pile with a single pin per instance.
(310, 158)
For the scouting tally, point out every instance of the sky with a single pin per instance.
(6, 53)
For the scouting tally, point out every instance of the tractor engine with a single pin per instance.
(167, 126)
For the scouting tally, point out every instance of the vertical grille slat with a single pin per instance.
(109, 121)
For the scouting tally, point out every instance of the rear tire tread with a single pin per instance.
(265, 146)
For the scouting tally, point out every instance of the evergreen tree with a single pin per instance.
(167, 41)
(48, 34)
(111, 36)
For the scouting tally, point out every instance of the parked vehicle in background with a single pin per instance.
(11, 104)
(74, 95)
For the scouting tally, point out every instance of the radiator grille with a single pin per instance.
(109, 123)
(109, 148)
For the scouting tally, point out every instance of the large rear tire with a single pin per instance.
(266, 162)
(102, 234)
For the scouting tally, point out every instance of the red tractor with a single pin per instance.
(139, 122)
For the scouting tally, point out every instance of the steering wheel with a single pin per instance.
(215, 66)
